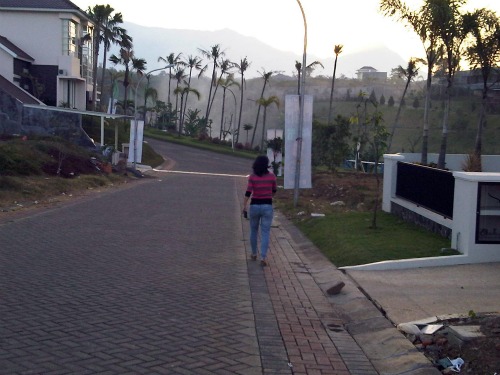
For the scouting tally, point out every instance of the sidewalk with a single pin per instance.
(366, 341)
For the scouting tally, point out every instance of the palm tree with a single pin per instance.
(266, 102)
(451, 35)
(309, 70)
(159, 109)
(225, 66)
(247, 128)
(112, 34)
(337, 50)
(425, 24)
(179, 76)
(242, 67)
(409, 73)
(126, 106)
(266, 76)
(483, 53)
(149, 92)
(131, 63)
(100, 15)
(225, 84)
(213, 54)
(114, 92)
(192, 122)
(184, 91)
(191, 63)
(170, 59)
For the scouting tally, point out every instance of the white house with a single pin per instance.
(370, 73)
(43, 50)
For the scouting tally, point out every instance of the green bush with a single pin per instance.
(18, 159)
(43, 156)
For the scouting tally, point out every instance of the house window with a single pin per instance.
(69, 43)
(86, 53)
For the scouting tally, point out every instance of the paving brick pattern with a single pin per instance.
(309, 348)
(118, 286)
(155, 279)
(311, 328)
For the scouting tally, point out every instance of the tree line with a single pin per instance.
(449, 36)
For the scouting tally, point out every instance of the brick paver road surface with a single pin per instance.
(153, 279)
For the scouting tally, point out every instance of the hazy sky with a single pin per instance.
(356, 24)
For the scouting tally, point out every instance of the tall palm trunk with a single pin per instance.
(215, 91)
(177, 111)
(479, 135)
(398, 114)
(444, 135)
(330, 109)
(183, 110)
(427, 105)
(181, 118)
(222, 115)
(207, 112)
(94, 69)
(126, 83)
(263, 129)
(258, 114)
(241, 110)
(169, 84)
(104, 58)
(145, 99)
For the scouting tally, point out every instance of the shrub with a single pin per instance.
(203, 137)
(382, 99)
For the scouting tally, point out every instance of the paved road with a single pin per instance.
(154, 279)
(134, 281)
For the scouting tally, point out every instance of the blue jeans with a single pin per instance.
(260, 215)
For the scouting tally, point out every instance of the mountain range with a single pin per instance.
(153, 42)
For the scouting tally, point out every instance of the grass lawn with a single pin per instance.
(347, 239)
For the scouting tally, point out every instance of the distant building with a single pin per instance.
(368, 73)
(473, 79)
(46, 51)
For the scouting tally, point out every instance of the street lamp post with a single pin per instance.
(135, 108)
(301, 112)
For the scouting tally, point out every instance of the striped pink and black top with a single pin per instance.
(261, 188)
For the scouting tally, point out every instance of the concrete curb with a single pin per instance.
(383, 344)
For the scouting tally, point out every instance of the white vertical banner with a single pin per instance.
(292, 116)
(137, 146)
(278, 158)
(112, 106)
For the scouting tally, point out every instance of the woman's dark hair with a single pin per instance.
(260, 165)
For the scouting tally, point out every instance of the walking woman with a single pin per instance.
(260, 190)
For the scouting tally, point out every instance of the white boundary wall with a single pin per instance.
(463, 224)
